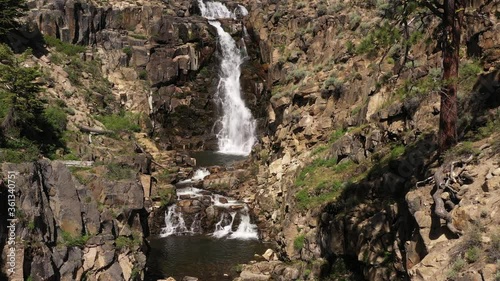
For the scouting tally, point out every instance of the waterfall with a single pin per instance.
(222, 228)
(178, 222)
(237, 133)
(245, 230)
(198, 175)
(190, 214)
(174, 223)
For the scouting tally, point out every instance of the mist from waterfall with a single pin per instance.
(237, 133)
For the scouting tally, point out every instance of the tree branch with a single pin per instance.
(434, 6)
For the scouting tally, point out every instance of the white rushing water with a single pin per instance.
(228, 210)
(174, 223)
(237, 133)
(245, 230)
(198, 175)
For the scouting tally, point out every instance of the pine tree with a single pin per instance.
(10, 12)
(451, 13)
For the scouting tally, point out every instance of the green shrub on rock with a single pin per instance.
(63, 47)
(298, 243)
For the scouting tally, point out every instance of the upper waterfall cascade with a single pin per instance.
(237, 133)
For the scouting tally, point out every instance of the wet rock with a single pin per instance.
(206, 200)
(211, 213)
(191, 209)
(184, 197)
(236, 207)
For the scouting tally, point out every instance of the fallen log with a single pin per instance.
(96, 131)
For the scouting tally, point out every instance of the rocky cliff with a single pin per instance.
(67, 230)
(347, 99)
(168, 45)
(350, 132)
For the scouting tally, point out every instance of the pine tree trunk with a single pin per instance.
(453, 18)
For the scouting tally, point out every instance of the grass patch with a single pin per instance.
(322, 181)
(62, 47)
(143, 75)
(494, 252)
(19, 151)
(80, 175)
(74, 241)
(336, 135)
(119, 172)
(343, 166)
(31, 225)
(319, 150)
(128, 51)
(397, 151)
(490, 128)
(138, 36)
(472, 254)
(324, 192)
(123, 242)
(333, 83)
(465, 148)
(457, 266)
(298, 242)
(121, 122)
(166, 195)
(310, 169)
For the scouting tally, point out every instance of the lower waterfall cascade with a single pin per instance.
(195, 206)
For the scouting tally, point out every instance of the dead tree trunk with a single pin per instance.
(439, 204)
(444, 177)
(96, 131)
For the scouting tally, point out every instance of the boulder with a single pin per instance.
(269, 255)
(64, 200)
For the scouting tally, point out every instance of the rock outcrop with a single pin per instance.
(173, 51)
(64, 230)
(332, 103)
